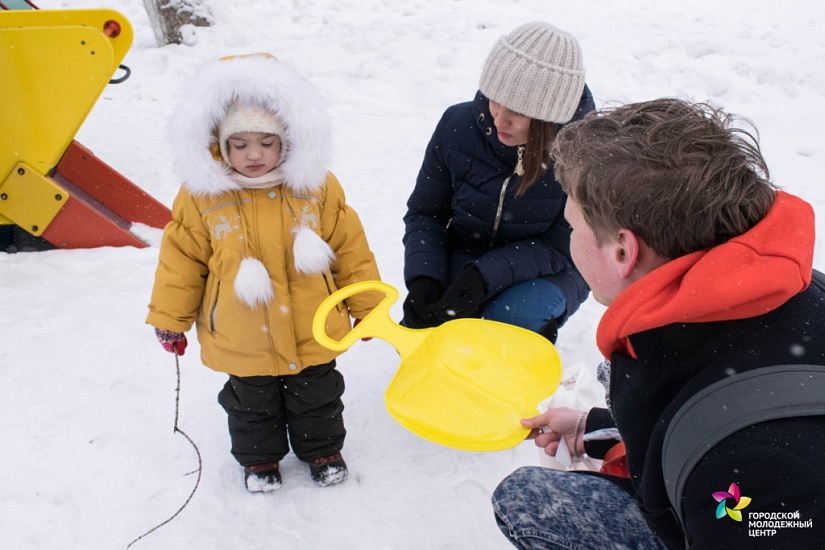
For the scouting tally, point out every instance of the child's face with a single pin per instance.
(253, 154)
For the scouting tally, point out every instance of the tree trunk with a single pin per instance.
(167, 18)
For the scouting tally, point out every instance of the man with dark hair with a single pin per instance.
(705, 267)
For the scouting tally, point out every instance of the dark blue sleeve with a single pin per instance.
(429, 208)
(527, 259)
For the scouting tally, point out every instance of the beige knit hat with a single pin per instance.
(242, 117)
(537, 71)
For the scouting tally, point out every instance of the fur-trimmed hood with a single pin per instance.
(260, 79)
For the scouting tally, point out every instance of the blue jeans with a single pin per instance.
(529, 305)
(544, 508)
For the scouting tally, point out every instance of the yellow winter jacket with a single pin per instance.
(303, 238)
(201, 252)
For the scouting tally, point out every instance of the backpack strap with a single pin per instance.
(818, 278)
(729, 405)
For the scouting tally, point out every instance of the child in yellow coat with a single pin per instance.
(261, 235)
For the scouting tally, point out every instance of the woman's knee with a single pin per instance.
(528, 305)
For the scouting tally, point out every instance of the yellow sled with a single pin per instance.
(465, 384)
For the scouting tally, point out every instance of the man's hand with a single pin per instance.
(548, 428)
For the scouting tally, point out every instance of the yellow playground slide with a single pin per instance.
(54, 64)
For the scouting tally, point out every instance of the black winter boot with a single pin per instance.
(328, 470)
(262, 478)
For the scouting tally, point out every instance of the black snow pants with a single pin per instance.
(267, 413)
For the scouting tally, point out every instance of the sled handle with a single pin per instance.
(377, 323)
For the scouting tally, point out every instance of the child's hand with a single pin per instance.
(173, 342)
(355, 324)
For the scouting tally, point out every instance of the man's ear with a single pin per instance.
(626, 253)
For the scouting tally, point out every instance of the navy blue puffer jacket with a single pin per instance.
(464, 210)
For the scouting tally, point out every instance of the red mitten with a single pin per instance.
(355, 324)
(173, 342)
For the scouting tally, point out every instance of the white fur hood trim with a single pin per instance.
(255, 79)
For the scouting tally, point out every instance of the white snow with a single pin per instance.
(89, 458)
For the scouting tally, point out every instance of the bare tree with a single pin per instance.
(170, 19)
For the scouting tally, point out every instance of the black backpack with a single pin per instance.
(727, 406)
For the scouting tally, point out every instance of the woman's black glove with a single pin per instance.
(462, 298)
(423, 292)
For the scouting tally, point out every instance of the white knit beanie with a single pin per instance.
(537, 71)
(247, 117)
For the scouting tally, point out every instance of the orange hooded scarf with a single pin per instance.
(747, 276)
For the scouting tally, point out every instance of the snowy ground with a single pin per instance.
(89, 457)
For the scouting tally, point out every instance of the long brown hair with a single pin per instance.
(536, 160)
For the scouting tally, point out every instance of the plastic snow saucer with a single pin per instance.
(465, 384)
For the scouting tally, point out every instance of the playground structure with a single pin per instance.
(54, 64)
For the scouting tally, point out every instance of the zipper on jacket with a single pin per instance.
(519, 171)
(259, 255)
(500, 207)
(520, 162)
(682, 527)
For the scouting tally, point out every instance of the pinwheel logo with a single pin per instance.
(739, 503)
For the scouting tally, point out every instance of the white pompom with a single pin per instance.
(252, 284)
(312, 254)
